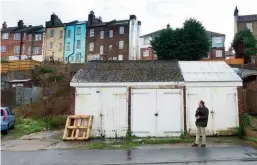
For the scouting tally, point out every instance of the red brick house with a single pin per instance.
(217, 45)
(22, 42)
(113, 40)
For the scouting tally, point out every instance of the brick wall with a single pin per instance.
(113, 52)
(151, 55)
(241, 101)
(10, 43)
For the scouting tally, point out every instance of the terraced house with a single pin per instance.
(113, 40)
(22, 42)
(75, 42)
(54, 40)
(242, 22)
(217, 50)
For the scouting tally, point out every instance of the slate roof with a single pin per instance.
(214, 34)
(209, 33)
(128, 71)
(247, 18)
(27, 29)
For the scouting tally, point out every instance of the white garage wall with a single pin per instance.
(222, 105)
(157, 112)
(109, 108)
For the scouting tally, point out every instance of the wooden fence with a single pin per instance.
(251, 99)
(228, 61)
(19, 65)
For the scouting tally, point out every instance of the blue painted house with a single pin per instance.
(75, 42)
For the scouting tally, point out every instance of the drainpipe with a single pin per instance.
(73, 44)
(21, 48)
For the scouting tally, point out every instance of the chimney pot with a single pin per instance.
(139, 22)
(132, 17)
(4, 25)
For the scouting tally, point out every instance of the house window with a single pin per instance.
(110, 47)
(218, 53)
(36, 50)
(69, 34)
(78, 44)
(146, 53)
(78, 30)
(52, 33)
(51, 45)
(114, 58)
(68, 46)
(29, 50)
(101, 34)
(3, 48)
(122, 30)
(23, 49)
(91, 46)
(147, 41)
(92, 33)
(121, 44)
(77, 57)
(120, 57)
(17, 36)
(71, 58)
(60, 47)
(61, 34)
(249, 26)
(30, 37)
(38, 37)
(24, 36)
(101, 49)
(16, 49)
(5, 36)
(111, 33)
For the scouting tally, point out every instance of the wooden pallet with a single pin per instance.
(78, 127)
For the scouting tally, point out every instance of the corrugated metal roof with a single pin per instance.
(207, 71)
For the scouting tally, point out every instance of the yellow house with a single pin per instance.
(54, 39)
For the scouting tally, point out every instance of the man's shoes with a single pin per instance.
(195, 145)
(203, 145)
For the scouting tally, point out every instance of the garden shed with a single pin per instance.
(141, 97)
(216, 84)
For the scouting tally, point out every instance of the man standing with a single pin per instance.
(201, 122)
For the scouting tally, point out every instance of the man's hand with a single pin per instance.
(197, 117)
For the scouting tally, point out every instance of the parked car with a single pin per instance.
(7, 120)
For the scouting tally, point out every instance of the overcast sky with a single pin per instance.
(216, 15)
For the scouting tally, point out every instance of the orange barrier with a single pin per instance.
(18, 65)
(228, 61)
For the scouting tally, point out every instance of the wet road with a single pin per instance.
(237, 155)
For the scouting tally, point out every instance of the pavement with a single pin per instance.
(225, 155)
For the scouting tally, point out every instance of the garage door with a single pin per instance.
(156, 112)
(222, 105)
(109, 108)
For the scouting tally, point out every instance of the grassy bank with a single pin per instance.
(133, 143)
(29, 125)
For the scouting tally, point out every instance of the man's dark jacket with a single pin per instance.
(203, 113)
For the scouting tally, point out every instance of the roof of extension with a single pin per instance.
(208, 71)
(209, 33)
(247, 18)
(128, 71)
(26, 29)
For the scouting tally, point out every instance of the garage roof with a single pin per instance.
(128, 71)
(208, 71)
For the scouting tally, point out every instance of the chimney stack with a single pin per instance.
(4, 25)
(168, 26)
(20, 24)
(132, 17)
(236, 11)
(91, 18)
